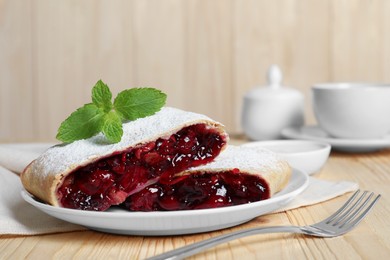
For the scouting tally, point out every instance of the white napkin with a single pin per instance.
(17, 217)
(20, 218)
(319, 191)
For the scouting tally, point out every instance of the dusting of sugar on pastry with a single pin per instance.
(245, 159)
(64, 158)
(260, 161)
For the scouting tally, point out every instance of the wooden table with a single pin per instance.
(370, 240)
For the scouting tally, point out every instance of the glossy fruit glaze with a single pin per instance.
(111, 180)
(200, 191)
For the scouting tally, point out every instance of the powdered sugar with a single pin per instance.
(63, 158)
(245, 159)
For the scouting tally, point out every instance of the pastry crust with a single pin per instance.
(267, 165)
(44, 176)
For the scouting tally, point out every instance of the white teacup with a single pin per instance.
(352, 110)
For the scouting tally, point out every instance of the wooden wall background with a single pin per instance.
(204, 54)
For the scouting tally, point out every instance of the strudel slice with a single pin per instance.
(238, 175)
(91, 174)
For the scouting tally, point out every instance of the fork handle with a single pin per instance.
(195, 248)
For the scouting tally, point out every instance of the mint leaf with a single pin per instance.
(139, 102)
(112, 126)
(103, 116)
(101, 96)
(85, 122)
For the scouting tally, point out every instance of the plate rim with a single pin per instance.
(298, 182)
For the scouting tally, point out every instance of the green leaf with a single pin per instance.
(103, 116)
(112, 126)
(139, 102)
(101, 96)
(85, 122)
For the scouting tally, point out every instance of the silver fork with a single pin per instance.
(342, 221)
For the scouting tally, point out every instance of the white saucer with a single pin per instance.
(120, 221)
(347, 145)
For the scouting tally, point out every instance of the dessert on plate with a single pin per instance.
(172, 160)
(90, 174)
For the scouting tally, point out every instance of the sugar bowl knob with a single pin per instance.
(269, 109)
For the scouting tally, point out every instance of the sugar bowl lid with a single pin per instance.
(274, 89)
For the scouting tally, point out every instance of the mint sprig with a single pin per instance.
(104, 116)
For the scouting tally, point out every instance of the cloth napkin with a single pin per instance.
(17, 217)
(319, 191)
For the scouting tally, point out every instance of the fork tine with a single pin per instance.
(348, 211)
(352, 221)
(350, 217)
(342, 208)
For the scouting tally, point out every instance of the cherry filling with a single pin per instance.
(200, 191)
(111, 180)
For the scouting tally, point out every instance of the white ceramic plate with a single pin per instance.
(347, 145)
(120, 221)
(307, 156)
